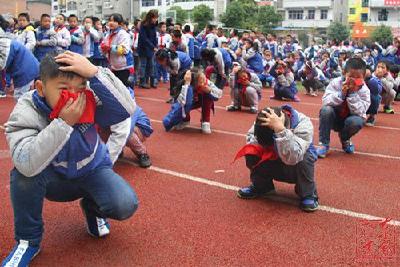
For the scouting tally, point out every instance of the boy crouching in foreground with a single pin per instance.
(279, 146)
(58, 154)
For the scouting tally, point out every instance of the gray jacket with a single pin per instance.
(291, 144)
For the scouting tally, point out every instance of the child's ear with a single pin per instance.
(39, 87)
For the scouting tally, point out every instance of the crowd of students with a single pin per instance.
(84, 74)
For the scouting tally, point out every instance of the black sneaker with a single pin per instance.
(144, 161)
(250, 192)
(370, 121)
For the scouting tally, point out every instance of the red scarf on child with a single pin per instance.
(264, 153)
(90, 108)
(344, 110)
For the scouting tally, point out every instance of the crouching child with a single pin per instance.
(279, 147)
(58, 154)
(344, 106)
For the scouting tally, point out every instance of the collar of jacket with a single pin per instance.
(41, 104)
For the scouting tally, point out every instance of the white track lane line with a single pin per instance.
(333, 210)
(332, 148)
(223, 108)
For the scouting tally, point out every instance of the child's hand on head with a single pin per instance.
(77, 63)
(73, 110)
(272, 121)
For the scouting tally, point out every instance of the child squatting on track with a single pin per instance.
(344, 106)
(58, 154)
(279, 147)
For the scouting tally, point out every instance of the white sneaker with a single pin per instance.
(205, 128)
(182, 125)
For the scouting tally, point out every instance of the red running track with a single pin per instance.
(181, 222)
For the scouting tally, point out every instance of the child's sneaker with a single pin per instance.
(388, 110)
(3, 94)
(250, 193)
(309, 204)
(370, 121)
(182, 125)
(296, 99)
(21, 255)
(348, 147)
(205, 128)
(322, 151)
(144, 160)
(233, 108)
(253, 110)
(95, 226)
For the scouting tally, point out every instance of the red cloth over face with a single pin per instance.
(90, 108)
(264, 153)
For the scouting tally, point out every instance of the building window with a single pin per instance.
(71, 5)
(352, 11)
(324, 14)
(311, 14)
(364, 17)
(365, 3)
(159, 2)
(296, 14)
(148, 2)
(383, 15)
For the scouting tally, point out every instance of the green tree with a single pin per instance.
(382, 34)
(181, 15)
(338, 31)
(143, 15)
(202, 15)
(268, 18)
(245, 14)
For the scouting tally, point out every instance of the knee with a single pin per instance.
(326, 111)
(354, 123)
(123, 206)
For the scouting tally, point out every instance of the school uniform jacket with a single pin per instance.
(18, 61)
(292, 143)
(46, 42)
(120, 56)
(77, 40)
(63, 37)
(26, 36)
(358, 102)
(36, 142)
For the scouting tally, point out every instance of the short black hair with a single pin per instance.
(25, 15)
(394, 68)
(49, 68)
(265, 135)
(117, 18)
(186, 29)
(208, 54)
(355, 64)
(44, 15)
(177, 33)
(4, 24)
(387, 63)
(88, 17)
(210, 27)
(95, 19)
(73, 16)
(235, 32)
(166, 54)
(160, 24)
(136, 22)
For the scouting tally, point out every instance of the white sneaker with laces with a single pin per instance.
(205, 128)
(182, 125)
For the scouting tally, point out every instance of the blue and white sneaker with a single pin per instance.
(250, 192)
(348, 147)
(95, 226)
(21, 255)
(322, 151)
(309, 204)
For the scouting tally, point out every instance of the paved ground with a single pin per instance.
(189, 214)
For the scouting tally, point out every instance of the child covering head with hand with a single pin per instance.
(279, 147)
(58, 154)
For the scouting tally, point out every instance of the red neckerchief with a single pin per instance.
(90, 108)
(196, 92)
(243, 85)
(110, 38)
(344, 110)
(161, 41)
(73, 30)
(264, 153)
(58, 28)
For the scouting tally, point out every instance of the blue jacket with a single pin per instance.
(177, 112)
(21, 64)
(185, 61)
(255, 63)
(226, 57)
(196, 49)
(375, 85)
(76, 40)
(48, 36)
(147, 40)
